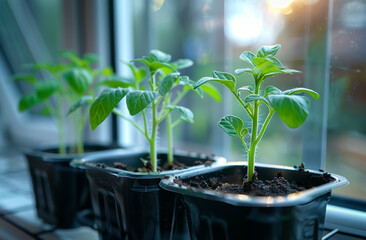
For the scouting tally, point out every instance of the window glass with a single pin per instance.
(323, 39)
(346, 146)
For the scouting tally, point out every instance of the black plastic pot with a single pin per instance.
(61, 191)
(215, 215)
(131, 205)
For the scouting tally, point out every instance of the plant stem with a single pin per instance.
(265, 124)
(61, 130)
(153, 155)
(170, 138)
(253, 142)
(80, 128)
(119, 113)
(155, 123)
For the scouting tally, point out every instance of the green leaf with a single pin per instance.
(104, 104)
(275, 61)
(83, 101)
(244, 132)
(159, 56)
(28, 101)
(223, 76)
(116, 81)
(78, 79)
(248, 57)
(45, 111)
(312, 93)
(271, 90)
(265, 68)
(268, 51)
(185, 113)
(248, 89)
(91, 58)
(211, 91)
(25, 77)
(167, 68)
(232, 125)
(191, 87)
(167, 83)
(108, 71)
(255, 97)
(70, 55)
(46, 88)
(292, 109)
(244, 70)
(290, 71)
(184, 80)
(140, 74)
(138, 100)
(182, 63)
(228, 83)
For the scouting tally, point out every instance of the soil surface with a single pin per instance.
(176, 165)
(278, 186)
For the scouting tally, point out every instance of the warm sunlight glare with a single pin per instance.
(245, 28)
(279, 4)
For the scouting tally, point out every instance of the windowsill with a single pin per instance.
(346, 220)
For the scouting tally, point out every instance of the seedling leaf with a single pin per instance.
(104, 104)
(232, 125)
(83, 101)
(185, 113)
(167, 83)
(138, 100)
(292, 109)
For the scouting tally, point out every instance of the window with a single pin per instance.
(322, 39)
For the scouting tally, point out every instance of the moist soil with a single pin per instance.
(176, 165)
(278, 186)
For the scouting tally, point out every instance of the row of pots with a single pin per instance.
(129, 205)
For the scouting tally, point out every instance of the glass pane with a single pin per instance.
(346, 150)
(315, 36)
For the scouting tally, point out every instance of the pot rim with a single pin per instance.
(85, 162)
(57, 157)
(292, 199)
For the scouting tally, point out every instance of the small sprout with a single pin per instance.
(71, 83)
(293, 109)
(155, 98)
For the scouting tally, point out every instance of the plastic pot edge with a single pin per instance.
(252, 201)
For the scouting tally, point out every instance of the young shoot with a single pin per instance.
(292, 108)
(70, 84)
(155, 99)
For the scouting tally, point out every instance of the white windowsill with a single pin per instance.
(346, 220)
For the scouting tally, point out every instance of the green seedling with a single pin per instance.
(159, 97)
(292, 108)
(70, 83)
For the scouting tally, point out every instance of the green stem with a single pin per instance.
(80, 128)
(265, 124)
(153, 154)
(244, 144)
(247, 107)
(120, 114)
(60, 123)
(154, 130)
(253, 141)
(170, 138)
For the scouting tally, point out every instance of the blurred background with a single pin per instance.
(324, 39)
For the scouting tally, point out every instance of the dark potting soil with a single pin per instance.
(176, 165)
(278, 186)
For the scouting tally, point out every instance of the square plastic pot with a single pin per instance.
(217, 215)
(61, 192)
(131, 205)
